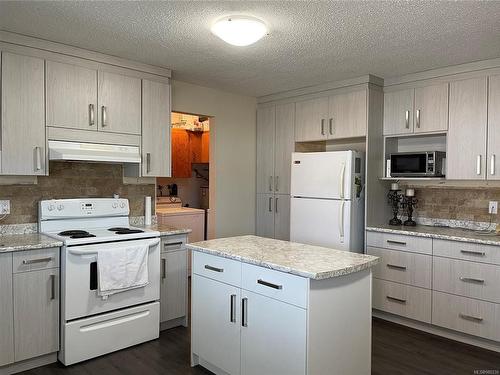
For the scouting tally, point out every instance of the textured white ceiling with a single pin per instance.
(309, 42)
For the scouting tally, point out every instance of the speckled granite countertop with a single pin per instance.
(444, 233)
(29, 241)
(303, 260)
(165, 230)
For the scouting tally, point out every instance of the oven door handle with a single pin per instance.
(89, 252)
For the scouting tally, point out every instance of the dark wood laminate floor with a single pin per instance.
(397, 350)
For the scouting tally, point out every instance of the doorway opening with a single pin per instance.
(183, 200)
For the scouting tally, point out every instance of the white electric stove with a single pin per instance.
(90, 325)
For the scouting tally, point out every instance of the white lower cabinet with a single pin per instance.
(6, 310)
(273, 336)
(215, 323)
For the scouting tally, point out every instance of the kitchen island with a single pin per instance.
(264, 306)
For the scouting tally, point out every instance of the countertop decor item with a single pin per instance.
(409, 202)
(395, 198)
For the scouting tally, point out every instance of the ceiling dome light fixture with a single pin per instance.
(239, 30)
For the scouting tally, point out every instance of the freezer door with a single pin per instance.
(321, 222)
(326, 175)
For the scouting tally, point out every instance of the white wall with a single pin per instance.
(232, 141)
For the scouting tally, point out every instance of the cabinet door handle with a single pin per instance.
(330, 125)
(276, 205)
(478, 165)
(322, 126)
(212, 268)
(244, 312)
(417, 120)
(396, 267)
(470, 252)
(163, 268)
(276, 183)
(38, 158)
(492, 164)
(270, 183)
(232, 316)
(52, 287)
(471, 280)
(471, 318)
(270, 208)
(270, 285)
(39, 260)
(91, 115)
(173, 245)
(407, 119)
(396, 242)
(104, 120)
(399, 300)
(148, 162)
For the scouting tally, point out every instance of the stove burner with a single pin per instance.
(123, 230)
(82, 235)
(74, 232)
(129, 231)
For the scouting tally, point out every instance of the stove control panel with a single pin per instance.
(84, 207)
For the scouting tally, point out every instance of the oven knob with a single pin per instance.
(115, 204)
(51, 207)
(60, 207)
(122, 205)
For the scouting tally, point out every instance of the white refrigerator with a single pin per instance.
(327, 199)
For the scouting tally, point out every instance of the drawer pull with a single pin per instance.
(397, 242)
(470, 252)
(399, 300)
(401, 268)
(244, 312)
(232, 317)
(212, 268)
(471, 280)
(173, 244)
(39, 260)
(270, 285)
(471, 318)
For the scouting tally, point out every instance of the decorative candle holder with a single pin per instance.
(394, 198)
(409, 202)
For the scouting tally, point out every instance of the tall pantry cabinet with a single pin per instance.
(275, 144)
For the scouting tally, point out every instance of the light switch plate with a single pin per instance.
(493, 207)
(4, 207)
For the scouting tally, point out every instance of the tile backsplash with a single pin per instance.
(72, 180)
(468, 204)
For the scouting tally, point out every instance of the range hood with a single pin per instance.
(94, 152)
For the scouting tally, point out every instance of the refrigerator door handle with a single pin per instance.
(341, 179)
(341, 221)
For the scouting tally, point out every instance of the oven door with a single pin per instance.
(79, 280)
(407, 165)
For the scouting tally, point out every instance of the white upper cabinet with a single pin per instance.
(466, 141)
(398, 112)
(71, 96)
(266, 120)
(155, 129)
(431, 108)
(416, 110)
(493, 172)
(311, 120)
(119, 103)
(23, 115)
(347, 115)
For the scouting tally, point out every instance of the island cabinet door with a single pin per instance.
(215, 323)
(273, 336)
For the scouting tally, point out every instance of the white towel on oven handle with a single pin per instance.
(121, 269)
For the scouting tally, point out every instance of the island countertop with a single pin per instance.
(313, 262)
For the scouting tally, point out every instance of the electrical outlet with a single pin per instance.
(493, 207)
(4, 207)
